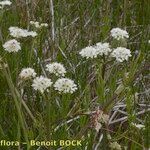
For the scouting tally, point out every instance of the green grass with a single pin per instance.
(27, 115)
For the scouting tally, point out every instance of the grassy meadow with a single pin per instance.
(109, 110)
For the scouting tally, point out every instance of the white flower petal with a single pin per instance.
(56, 68)
(65, 85)
(12, 46)
(118, 33)
(41, 83)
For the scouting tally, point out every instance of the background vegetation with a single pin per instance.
(73, 25)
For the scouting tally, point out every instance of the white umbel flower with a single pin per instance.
(139, 126)
(41, 83)
(38, 25)
(89, 52)
(5, 3)
(121, 54)
(103, 48)
(32, 33)
(27, 73)
(44, 25)
(57, 68)
(35, 23)
(115, 146)
(65, 85)
(18, 32)
(118, 33)
(12, 46)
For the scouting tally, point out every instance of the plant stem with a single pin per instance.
(25, 106)
(48, 119)
(17, 104)
(48, 125)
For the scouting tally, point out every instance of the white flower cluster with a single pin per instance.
(38, 25)
(139, 126)
(94, 51)
(65, 85)
(57, 68)
(115, 146)
(41, 83)
(103, 48)
(12, 46)
(89, 52)
(18, 32)
(27, 73)
(121, 54)
(5, 3)
(118, 33)
(62, 85)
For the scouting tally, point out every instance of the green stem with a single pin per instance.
(17, 104)
(31, 52)
(25, 106)
(48, 120)
(2, 132)
(48, 125)
(100, 81)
